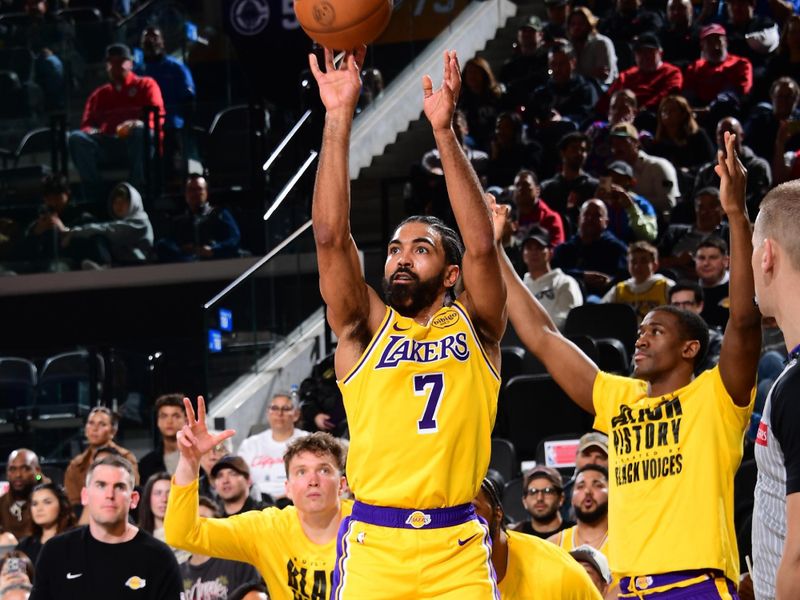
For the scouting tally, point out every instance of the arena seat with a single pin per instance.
(512, 501)
(616, 321)
(504, 459)
(18, 378)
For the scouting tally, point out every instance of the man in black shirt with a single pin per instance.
(110, 557)
(542, 496)
(231, 480)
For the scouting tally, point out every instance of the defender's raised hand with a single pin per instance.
(194, 440)
(733, 178)
(500, 217)
(440, 105)
(340, 88)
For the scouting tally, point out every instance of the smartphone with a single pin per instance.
(12, 565)
(793, 126)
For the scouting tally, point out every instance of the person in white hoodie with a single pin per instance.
(126, 239)
(557, 292)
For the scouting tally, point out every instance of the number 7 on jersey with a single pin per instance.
(431, 384)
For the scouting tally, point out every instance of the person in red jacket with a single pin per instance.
(532, 210)
(716, 71)
(112, 130)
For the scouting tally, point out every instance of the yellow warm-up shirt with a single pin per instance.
(566, 540)
(272, 540)
(671, 465)
(539, 570)
(421, 403)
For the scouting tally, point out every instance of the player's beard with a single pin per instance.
(410, 298)
(592, 516)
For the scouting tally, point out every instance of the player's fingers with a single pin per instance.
(201, 410)
(360, 53)
(313, 64)
(189, 410)
(427, 86)
(221, 437)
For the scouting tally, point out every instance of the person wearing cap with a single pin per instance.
(574, 95)
(558, 292)
(592, 450)
(527, 68)
(623, 107)
(112, 130)
(631, 217)
(532, 211)
(596, 565)
(655, 178)
(571, 186)
(231, 480)
(680, 36)
(716, 71)
(629, 19)
(677, 438)
(555, 26)
(527, 566)
(596, 58)
(542, 497)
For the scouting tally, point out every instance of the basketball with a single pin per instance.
(343, 24)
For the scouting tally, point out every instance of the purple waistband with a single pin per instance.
(406, 518)
(644, 582)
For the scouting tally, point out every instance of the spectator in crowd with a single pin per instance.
(596, 565)
(16, 575)
(655, 177)
(44, 35)
(650, 79)
(207, 577)
(542, 497)
(759, 173)
(594, 256)
(101, 427)
(762, 125)
(527, 567)
(574, 95)
(680, 241)
(51, 514)
(252, 590)
(207, 462)
(623, 108)
(786, 61)
(716, 71)
(555, 26)
(23, 474)
(630, 216)
(595, 58)
(592, 450)
(510, 241)
(711, 261)
(568, 189)
(111, 556)
(527, 68)
(153, 505)
(204, 232)
(558, 293)
(112, 129)
(170, 417)
(751, 36)
(645, 289)
(231, 480)
(681, 140)
(263, 452)
(279, 543)
(688, 295)
(508, 151)
(680, 36)
(371, 89)
(532, 211)
(785, 164)
(545, 126)
(630, 19)
(480, 100)
(126, 239)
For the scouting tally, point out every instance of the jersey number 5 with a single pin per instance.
(431, 384)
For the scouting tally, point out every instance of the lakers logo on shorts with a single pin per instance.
(446, 319)
(642, 583)
(418, 519)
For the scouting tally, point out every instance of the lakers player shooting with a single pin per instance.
(418, 368)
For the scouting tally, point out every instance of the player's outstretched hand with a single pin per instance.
(340, 88)
(194, 440)
(733, 178)
(500, 217)
(440, 105)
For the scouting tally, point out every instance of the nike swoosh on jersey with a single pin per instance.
(397, 328)
(73, 575)
(462, 542)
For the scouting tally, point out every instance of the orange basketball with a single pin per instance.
(343, 24)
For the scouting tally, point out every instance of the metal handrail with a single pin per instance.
(286, 140)
(292, 182)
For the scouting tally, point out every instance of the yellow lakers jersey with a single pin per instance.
(421, 404)
(643, 302)
(566, 539)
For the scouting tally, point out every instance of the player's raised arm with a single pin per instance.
(341, 282)
(485, 292)
(741, 345)
(565, 362)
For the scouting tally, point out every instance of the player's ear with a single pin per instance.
(451, 275)
(690, 348)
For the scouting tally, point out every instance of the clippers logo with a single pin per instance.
(761, 436)
(402, 349)
(418, 519)
(136, 583)
(446, 319)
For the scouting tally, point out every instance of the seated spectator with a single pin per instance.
(596, 59)
(170, 417)
(654, 177)
(126, 239)
(644, 289)
(372, 87)
(231, 480)
(321, 403)
(571, 186)
(623, 25)
(101, 427)
(557, 292)
(23, 473)
(555, 25)
(112, 129)
(207, 577)
(681, 141)
(751, 36)
(542, 496)
(153, 507)
(630, 216)
(761, 127)
(592, 450)
(680, 36)
(688, 295)
(532, 211)
(680, 241)
(651, 79)
(711, 262)
(785, 163)
(716, 71)
(16, 576)
(204, 232)
(252, 590)
(51, 514)
(574, 95)
(263, 452)
(596, 565)
(207, 462)
(480, 100)
(509, 153)
(511, 244)
(545, 126)
(527, 68)
(759, 173)
(44, 35)
(594, 256)
(785, 62)
(623, 108)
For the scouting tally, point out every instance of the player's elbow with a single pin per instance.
(326, 236)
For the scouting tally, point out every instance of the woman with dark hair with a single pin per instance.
(480, 100)
(153, 506)
(51, 514)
